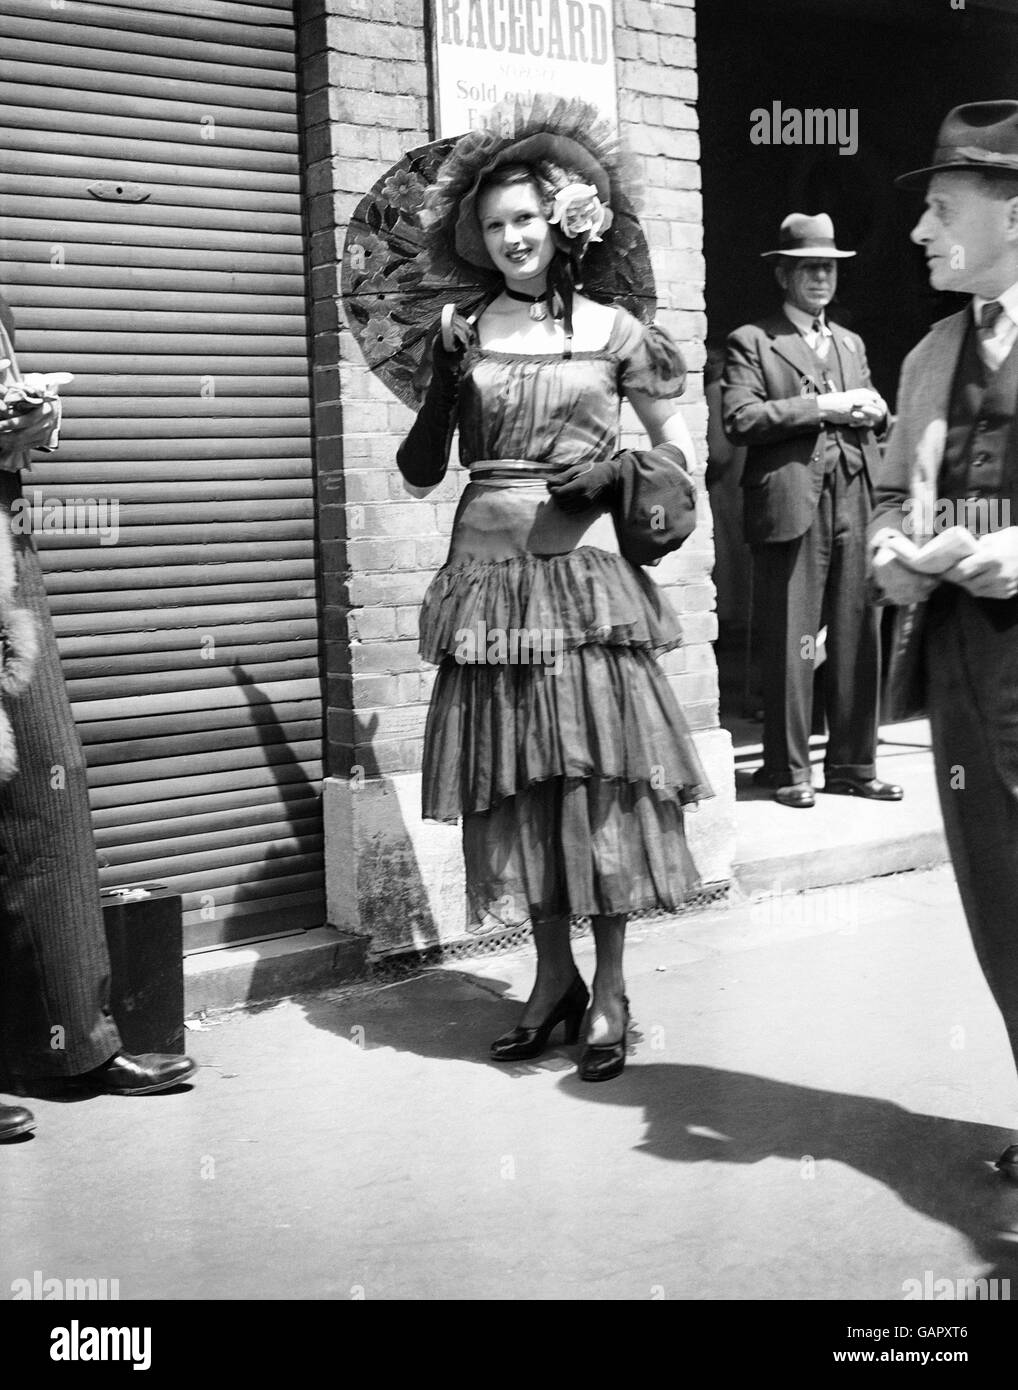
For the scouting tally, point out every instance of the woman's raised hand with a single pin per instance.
(451, 341)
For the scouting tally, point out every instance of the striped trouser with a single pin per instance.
(54, 964)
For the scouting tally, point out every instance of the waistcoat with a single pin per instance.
(979, 452)
(840, 441)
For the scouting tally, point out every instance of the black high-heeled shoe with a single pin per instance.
(603, 1061)
(520, 1044)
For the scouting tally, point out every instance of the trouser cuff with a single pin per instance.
(862, 771)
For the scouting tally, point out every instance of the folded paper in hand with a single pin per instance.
(937, 555)
(20, 399)
(29, 393)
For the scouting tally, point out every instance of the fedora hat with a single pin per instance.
(803, 235)
(982, 135)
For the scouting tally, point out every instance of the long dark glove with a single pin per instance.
(579, 487)
(423, 456)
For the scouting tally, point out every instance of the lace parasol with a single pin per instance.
(393, 287)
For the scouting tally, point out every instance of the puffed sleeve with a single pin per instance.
(650, 361)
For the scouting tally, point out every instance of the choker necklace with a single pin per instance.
(537, 302)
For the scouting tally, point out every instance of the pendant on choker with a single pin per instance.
(538, 310)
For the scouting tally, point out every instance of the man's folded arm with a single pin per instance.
(749, 416)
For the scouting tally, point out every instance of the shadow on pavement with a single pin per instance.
(936, 1166)
(450, 1015)
(699, 1114)
(69, 1091)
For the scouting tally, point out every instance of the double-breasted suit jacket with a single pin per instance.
(771, 384)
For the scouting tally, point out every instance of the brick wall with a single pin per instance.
(365, 104)
(656, 53)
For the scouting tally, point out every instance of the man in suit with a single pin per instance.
(55, 1020)
(797, 392)
(953, 459)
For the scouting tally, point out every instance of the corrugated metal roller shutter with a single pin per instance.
(191, 645)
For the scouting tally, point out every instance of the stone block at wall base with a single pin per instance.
(398, 879)
(390, 875)
(710, 827)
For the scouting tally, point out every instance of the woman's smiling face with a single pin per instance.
(516, 233)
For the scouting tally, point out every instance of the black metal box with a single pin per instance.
(145, 937)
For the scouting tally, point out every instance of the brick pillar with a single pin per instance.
(364, 80)
(388, 875)
(657, 84)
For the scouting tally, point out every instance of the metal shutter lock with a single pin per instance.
(109, 191)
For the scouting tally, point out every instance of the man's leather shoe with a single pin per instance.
(797, 794)
(124, 1075)
(869, 787)
(15, 1120)
(800, 796)
(1007, 1164)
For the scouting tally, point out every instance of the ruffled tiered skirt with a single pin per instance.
(552, 731)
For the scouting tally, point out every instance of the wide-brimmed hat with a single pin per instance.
(557, 149)
(804, 235)
(981, 135)
(557, 136)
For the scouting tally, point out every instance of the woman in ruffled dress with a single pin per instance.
(552, 732)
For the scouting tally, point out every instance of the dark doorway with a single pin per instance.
(900, 65)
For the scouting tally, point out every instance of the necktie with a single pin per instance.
(988, 316)
(822, 345)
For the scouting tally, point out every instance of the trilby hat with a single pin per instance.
(805, 235)
(981, 135)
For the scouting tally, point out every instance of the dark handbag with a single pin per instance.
(654, 505)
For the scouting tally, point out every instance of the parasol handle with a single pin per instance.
(448, 336)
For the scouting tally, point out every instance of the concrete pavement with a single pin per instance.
(815, 1084)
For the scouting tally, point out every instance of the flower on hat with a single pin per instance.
(578, 211)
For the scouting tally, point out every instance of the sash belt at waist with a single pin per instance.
(503, 471)
(507, 511)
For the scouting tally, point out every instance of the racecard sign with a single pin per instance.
(487, 50)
